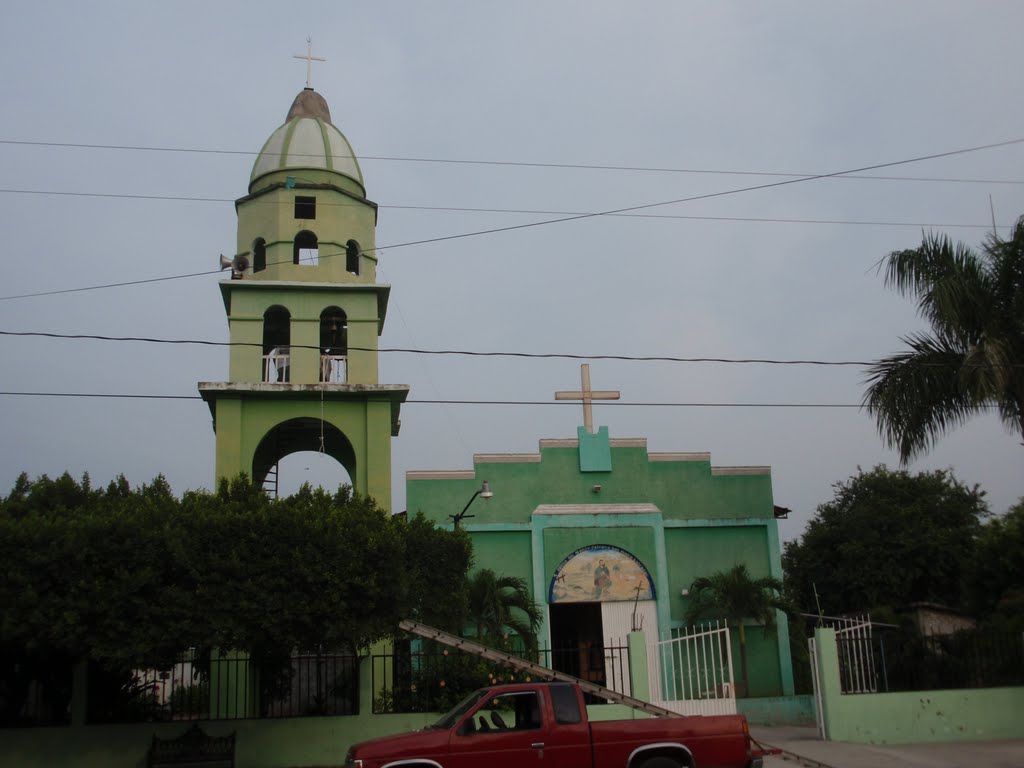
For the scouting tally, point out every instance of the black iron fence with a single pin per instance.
(893, 661)
(435, 679)
(197, 686)
(35, 692)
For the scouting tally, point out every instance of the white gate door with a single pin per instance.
(618, 619)
(692, 673)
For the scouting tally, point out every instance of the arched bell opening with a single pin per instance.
(277, 351)
(259, 255)
(334, 345)
(306, 249)
(297, 436)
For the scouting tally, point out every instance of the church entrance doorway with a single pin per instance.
(577, 641)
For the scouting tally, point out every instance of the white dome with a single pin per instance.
(307, 140)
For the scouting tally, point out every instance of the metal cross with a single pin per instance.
(587, 395)
(310, 58)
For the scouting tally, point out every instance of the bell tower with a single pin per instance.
(304, 313)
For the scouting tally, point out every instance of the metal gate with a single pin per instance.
(856, 660)
(692, 673)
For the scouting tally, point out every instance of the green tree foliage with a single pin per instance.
(500, 606)
(887, 539)
(436, 564)
(973, 357)
(996, 577)
(132, 577)
(737, 597)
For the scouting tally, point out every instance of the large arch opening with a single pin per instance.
(318, 469)
(296, 439)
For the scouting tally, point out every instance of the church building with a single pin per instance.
(305, 312)
(607, 535)
(610, 536)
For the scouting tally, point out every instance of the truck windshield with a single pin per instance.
(454, 715)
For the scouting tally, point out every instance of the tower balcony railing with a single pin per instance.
(333, 369)
(277, 366)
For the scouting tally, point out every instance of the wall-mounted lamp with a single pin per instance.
(485, 493)
(596, 489)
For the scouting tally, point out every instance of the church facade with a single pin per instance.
(610, 536)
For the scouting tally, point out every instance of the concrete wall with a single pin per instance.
(305, 741)
(921, 716)
(778, 710)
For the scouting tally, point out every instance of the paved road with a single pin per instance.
(803, 743)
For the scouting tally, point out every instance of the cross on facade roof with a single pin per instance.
(310, 58)
(587, 395)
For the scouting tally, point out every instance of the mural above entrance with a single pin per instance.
(599, 574)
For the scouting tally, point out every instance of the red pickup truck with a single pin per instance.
(545, 724)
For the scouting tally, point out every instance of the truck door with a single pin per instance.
(506, 731)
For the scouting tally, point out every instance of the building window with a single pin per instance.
(333, 346)
(259, 255)
(277, 352)
(306, 251)
(352, 254)
(305, 207)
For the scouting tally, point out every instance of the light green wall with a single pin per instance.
(249, 301)
(509, 555)
(243, 421)
(560, 542)
(923, 716)
(342, 213)
(694, 522)
(778, 710)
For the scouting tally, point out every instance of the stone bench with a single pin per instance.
(192, 748)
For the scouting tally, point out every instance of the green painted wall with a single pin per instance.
(778, 710)
(672, 512)
(559, 543)
(922, 716)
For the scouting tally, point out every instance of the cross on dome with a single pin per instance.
(310, 58)
(587, 395)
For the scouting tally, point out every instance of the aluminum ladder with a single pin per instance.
(537, 670)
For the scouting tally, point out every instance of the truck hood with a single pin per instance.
(413, 744)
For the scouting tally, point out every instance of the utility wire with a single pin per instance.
(510, 163)
(616, 403)
(610, 403)
(445, 352)
(528, 211)
(580, 217)
(465, 352)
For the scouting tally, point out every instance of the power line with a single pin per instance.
(445, 352)
(617, 403)
(528, 211)
(466, 352)
(580, 217)
(513, 163)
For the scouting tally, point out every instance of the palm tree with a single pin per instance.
(735, 596)
(500, 605)
(972, 359)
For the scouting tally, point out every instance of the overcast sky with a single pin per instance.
(709, 97)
